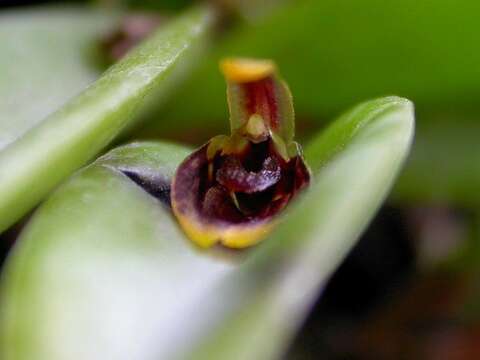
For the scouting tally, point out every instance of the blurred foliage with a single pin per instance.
(444, 168)
(335, 54)
(149, 5)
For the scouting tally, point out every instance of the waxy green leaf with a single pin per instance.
(102, 271)
(37, 161)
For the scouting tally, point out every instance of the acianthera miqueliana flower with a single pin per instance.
(230, 190)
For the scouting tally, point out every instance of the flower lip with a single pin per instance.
(233, 176)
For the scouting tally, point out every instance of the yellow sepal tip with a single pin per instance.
(242, 70)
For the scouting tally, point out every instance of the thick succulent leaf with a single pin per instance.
(55, 147)
(48, 55)
(102, 271)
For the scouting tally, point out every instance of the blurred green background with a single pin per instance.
(409, 289)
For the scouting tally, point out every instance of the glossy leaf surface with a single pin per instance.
(31, 166)
(102, 271)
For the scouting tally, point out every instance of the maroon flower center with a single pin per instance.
(249, 186)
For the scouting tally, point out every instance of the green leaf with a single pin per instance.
(36, 162)
(102, 270)
(48, 55)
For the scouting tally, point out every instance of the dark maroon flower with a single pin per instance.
(230, 189)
